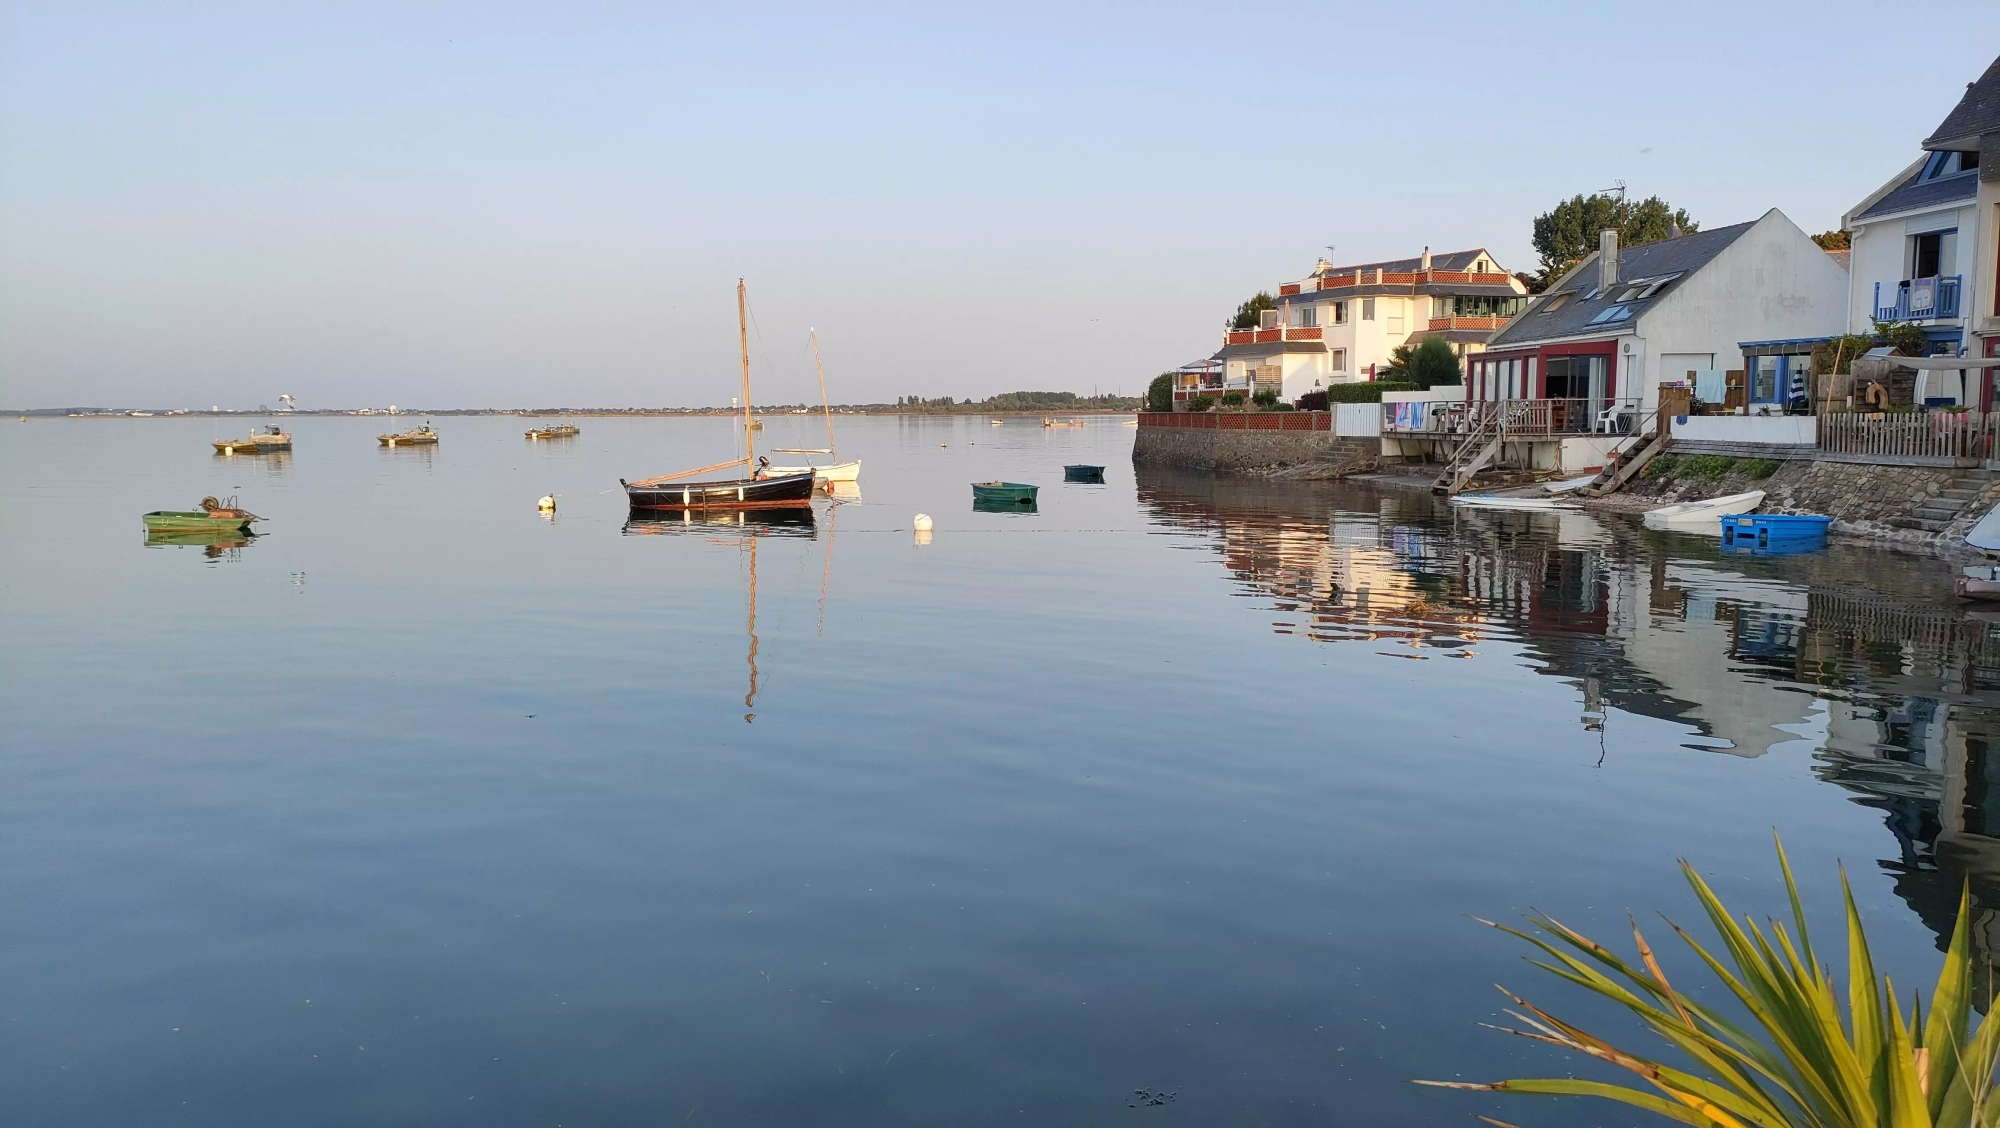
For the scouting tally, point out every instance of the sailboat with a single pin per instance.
(833, 471)
(668, 491)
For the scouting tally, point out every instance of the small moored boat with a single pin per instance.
(559, 431)
(1978, 581)
(1082, 473)
(1064, 423)
(1490, 501)
(212, 515)
(1016, 493)
(1703, 517)
(270, 438)
(422, 436)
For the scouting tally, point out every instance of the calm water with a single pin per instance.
(422, 809)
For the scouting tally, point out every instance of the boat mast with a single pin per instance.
(743, 342)
(825, 409)
(750, 698)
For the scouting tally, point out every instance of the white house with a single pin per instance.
(1924, 244)
(1340, 323)
(1591, 352)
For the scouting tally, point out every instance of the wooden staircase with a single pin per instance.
(1479, 447)
(1649, 440)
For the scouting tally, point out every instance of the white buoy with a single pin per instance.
(921, 522)
(547, 504)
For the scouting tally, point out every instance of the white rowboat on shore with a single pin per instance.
(1704, 517)
(1489, 501)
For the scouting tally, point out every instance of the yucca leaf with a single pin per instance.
(1792, 893)
(1907, 1107)
(1951, 1005)
(1573, 1087)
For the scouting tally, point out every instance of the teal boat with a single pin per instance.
(212, 515)
(1017, 493)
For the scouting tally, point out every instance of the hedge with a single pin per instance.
(1368, 392)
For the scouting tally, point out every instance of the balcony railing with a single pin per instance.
(1271, 336)
(1467, 321)
(1516, 418)
(1915, 299)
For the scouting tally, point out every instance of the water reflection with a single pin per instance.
(793, 522)
(216, 544)
(1858, 659)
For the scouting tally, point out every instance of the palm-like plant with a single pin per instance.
(1798, 1062)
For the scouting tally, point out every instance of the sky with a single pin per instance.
(499, 205)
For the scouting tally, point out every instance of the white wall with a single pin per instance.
(1772, 283)
(1799, 430)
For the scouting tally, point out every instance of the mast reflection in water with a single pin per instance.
(1896, 686)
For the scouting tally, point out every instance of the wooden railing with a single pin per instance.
(1239, 420)
(1933, 437)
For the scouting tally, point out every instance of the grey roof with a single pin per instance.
(1682, 256)
(1913, 193)
(1450, 260)
(1976, 113)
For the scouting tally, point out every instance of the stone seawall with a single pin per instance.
(1242, 451)
(1928, 508)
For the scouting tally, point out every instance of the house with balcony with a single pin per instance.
(1578, 374)
(1924, 243)
(1339, 324)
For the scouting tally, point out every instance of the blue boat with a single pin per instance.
(1082, 473)
(1789, 532)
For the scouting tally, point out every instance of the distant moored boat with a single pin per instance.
(270, 438)
(420, 437)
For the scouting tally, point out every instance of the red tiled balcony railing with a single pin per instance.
(1271, 336)
(1487, 322)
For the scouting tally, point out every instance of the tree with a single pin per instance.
(1246, 314)
(1160, 393)
(1567, 234)
(1426, 363)
(1832, 240)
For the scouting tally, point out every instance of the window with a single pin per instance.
(1557, 301)
(1933, 253)
(1611, 315)
(1948, 164)
(1305, 317)
(1368, 309)
(1479, 267)
(1641, 288)
(1340, 313)
(1337, 359)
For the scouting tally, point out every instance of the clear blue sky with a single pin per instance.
(495, 204)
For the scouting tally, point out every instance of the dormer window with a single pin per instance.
(1948, 164)
(1480, 267)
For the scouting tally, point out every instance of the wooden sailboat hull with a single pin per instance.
(735, 493)
(788, 521)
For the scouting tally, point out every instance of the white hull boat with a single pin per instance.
(1568, 485)
(1488, 501)
(1703, 517)
(1979, 581)
(823, 475)
(1985, 533)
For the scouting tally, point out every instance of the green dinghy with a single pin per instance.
(1013, 493)
(212, 515)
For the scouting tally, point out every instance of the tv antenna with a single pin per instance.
(1618, 191)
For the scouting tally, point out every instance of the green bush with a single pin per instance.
(1280, 407)
(1662, 466)
(1160, 393)
(1706, 466)
(1265, 397)
(1232, 399)
(1366, 392)
(1201, 403)
(1759, 469)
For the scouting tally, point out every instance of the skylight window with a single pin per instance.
(1642, 288)
(1557, 302)
(1612, 314)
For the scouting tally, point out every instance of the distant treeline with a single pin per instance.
(1021, 401)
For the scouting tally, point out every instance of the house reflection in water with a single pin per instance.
(1892, 689)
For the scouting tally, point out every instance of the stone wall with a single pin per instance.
(1190, 448)
(1866, 501)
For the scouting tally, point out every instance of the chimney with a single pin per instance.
(1607, 258)
(1426, 263)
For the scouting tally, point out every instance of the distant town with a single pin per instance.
(1016, 403)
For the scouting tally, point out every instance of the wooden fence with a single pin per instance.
(1239, 420)
(1916, 437)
